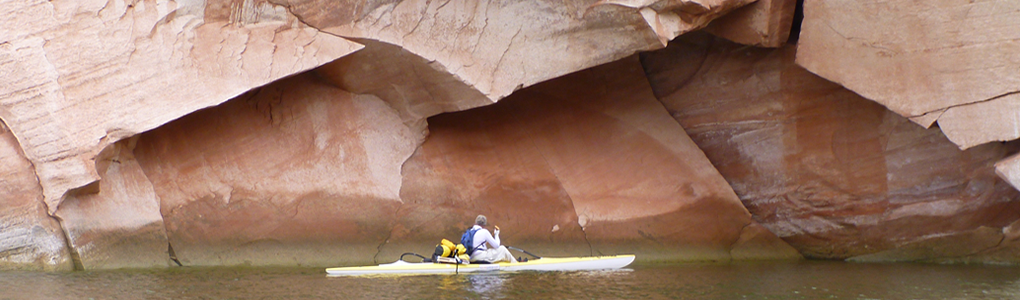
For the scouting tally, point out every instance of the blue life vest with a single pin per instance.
(468, 240)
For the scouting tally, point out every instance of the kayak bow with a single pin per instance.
(541, 264)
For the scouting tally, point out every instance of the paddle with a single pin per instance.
(522, 250)
(423, 259)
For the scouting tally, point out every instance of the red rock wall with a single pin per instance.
(589, 163)
(29, 238)
(294, 173)
(833, 174)
(302, 173)
(80, 75)
(111, 161)
(764, 23)
(119, 225)
(954, 62)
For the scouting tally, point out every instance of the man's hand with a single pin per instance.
(497, 229)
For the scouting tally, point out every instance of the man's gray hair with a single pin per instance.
(481, 220)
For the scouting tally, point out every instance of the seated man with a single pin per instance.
(485, 247)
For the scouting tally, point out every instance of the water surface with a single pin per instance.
(782, 280)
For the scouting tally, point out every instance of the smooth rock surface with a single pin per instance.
(1005, 250)
(430, 57)
(764, 23)
(979, 123)
(671, 18)
(830, 172)
(120, 226)
(586, 164)
(497, 47)
(415, 87)
(81, 75)
(29, 238)
(920, 58)
(1009, 169)
(967, 246)
(333, 167)
(294, 173)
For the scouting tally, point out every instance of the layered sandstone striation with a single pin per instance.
(833, 174)
(950, 62)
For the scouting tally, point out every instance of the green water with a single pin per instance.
(788, 280)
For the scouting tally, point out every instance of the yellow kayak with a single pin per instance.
(540, 264)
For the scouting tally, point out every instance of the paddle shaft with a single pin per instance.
(522, 250)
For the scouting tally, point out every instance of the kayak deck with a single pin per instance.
(540, 264)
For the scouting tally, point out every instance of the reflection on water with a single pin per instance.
(490, 285)
(801, 280)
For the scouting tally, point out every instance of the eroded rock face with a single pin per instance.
(497, 47)
(299, 172)
(671, 18)
(294, 173)
(494, 46)
(119, 226)
(764, 23)
(974, 124)
(415, 87)
(1009, 169)
(589, 163)
(928, 61)
(430, 57)
(29, 239)
(332, 167)
(833, 174)
(81, 75)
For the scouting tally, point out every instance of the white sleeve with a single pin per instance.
(494, 241)
(485, 237)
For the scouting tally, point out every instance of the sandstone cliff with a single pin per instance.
(586, 164)
(156, 133)
(81, 75)
(954, 63)
(29, 238)
(833, 174)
